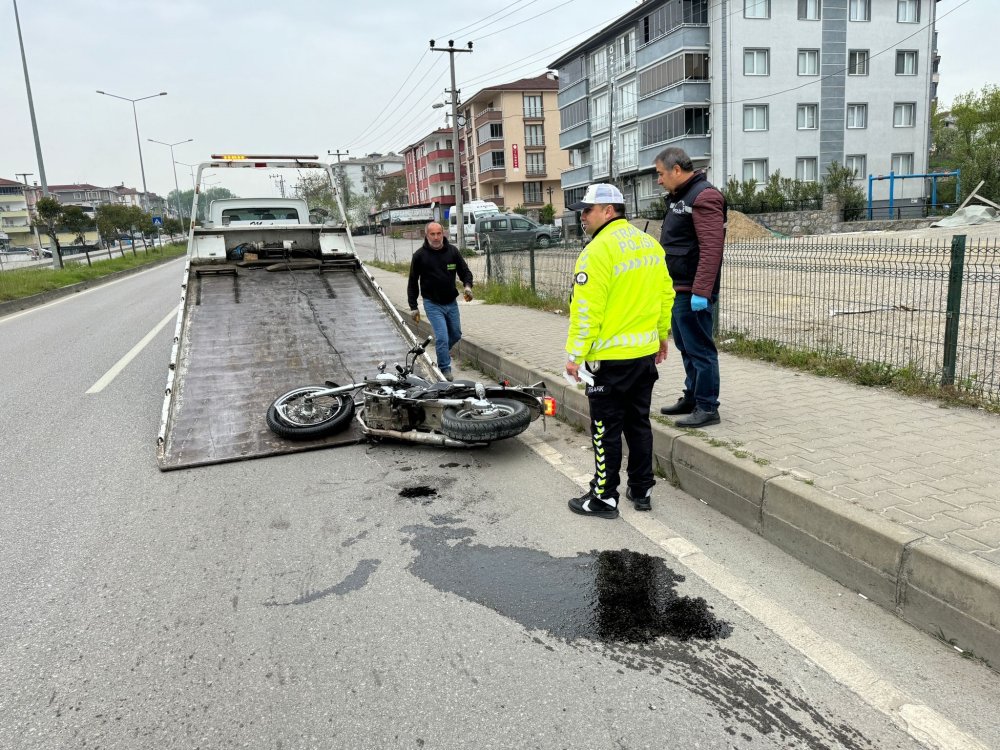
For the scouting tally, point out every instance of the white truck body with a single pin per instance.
(472, 212)
(267, 304)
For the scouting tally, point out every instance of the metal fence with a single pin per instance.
(930, 306)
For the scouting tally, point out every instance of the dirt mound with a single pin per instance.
(741, 228)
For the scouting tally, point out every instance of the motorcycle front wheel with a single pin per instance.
(505, 419)
(297, 415)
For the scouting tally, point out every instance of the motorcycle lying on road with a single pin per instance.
(405, 406)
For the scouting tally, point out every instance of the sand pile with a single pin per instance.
(742, 228)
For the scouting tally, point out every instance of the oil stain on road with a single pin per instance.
(625, 606)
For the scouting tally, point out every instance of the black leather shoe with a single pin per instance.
(699, 418)
(683, 406)
(640, 503)
(591, 505)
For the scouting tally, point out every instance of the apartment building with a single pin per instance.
(430, 170)
(510, 139)
(15, 220)
(749, 88)
(366, 173)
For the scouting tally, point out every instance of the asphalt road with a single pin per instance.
(390, 596)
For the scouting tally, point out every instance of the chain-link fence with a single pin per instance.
(931, 307)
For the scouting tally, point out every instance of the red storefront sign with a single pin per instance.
(514, 160)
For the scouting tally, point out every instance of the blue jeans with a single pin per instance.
(692, 332)
(447, 329)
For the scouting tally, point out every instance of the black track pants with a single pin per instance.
(619, 405)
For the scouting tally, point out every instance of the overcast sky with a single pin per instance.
(301, 76)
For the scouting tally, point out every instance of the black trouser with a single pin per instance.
(619, 404)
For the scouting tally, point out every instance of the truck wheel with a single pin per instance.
(544, 241)
(506, 419)
(297, 416)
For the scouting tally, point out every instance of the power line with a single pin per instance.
(505, 10)
(387, 128)
(391, 98)
(506, 28)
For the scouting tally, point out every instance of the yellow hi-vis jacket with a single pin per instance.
(622, 295)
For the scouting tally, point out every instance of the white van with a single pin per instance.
(472, 212)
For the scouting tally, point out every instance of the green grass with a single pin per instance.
(520, 295)
(25, 282)
(403, 268)
(906, 380)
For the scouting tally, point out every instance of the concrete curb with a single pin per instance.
(945, 592)
(16, 305)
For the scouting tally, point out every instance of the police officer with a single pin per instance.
(618, 327)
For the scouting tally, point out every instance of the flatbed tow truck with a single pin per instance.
(269, 300)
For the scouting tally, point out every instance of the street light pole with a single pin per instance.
(456, 151)
(177, 189)
(138, 140)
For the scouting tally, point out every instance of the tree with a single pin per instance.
(967, 138)
(48, 217)
(316, 191)
(173, 226)
(842, 182)
(547, 214)
(393, 192)
(76, 222)
(205, 199)
(114, 220)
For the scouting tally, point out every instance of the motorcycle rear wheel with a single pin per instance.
(297, 416)
(506, 419)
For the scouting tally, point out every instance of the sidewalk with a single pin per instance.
(895, 497)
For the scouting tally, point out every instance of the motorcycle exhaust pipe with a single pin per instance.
(426, 438)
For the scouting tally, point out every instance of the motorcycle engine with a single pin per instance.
(383, 411)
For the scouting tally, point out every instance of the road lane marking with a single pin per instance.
(122, 363)
(77, 295)
(918, 720)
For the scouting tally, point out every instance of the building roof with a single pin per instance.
(10, 183)
(544, 82)
(439, 131)
(647, 6)
(80, 186)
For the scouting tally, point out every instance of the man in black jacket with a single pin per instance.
(693, 236)
(433, 269)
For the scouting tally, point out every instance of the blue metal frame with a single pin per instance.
(934, 177)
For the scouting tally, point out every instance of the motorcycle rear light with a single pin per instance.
(548, 406)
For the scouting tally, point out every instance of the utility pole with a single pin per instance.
(340, 173)
(338, 153)
(459, 218)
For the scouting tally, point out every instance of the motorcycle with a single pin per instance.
(405, 406)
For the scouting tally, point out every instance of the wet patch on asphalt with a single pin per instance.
(355, 580)
(420, 490)
(624, 606)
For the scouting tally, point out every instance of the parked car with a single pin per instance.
(502, 232)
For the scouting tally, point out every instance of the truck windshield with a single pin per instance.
(267, 213)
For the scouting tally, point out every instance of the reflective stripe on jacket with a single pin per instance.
(622, 295)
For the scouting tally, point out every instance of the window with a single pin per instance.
(808, 62)
(534, 135)
(598, 67)
(600, 156)
(857, 116)
(857, 163)
(674, 124)
(532, 105)
(684, 67)
(535, 163)
(573, 115)
(599, 116)
(628, 149)
(625, 52)
(755, 62)
(491, 131)
(806, 169)
(908, 11)
(625, 106)
(491, 160)
(533, 192)
(809, 10)
(756, 8)
(906, 62)
(807, 117)
(902, 163)
(904, 114)
(754, 117)
(755, 169)
(859, 10)
(857, 62)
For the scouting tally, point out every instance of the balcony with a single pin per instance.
(441, 154)
(533, 199)
(576, 176)
(493, 144)
(447, 177)
(534, 144)
(600, 122)
(534, 114)
(488, 115)
(536, 171)
(628, 161)
(492, 174)
(598, 78)
(624, 65)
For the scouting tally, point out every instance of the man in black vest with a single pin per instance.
(693, 235)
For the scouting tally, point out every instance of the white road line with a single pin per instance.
(122, 363)
(918, 720)
(77, 295)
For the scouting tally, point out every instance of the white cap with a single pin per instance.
(602, 192)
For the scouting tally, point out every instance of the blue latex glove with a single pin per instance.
(698, 303)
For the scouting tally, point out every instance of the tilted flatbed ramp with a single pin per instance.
(246, 335)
